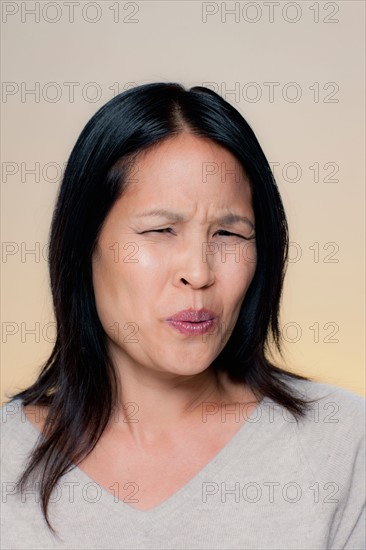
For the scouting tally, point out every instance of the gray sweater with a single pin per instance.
(276, 484)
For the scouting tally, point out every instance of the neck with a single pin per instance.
(153, 404)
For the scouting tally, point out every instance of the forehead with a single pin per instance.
(187, 161)
(188, 176)
(186, 149)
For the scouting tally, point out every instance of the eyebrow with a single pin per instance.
(226, 219)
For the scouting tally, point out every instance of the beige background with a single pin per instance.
(309, 121)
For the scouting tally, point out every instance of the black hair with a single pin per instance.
(78, 382)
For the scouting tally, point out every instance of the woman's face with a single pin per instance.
(143, 275)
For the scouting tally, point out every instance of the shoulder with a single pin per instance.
(335, 405)
(22, 525)
(18, 436)
(331, 406)
(11, 417)
(332, 433)
(332, 440)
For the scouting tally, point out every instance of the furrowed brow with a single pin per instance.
(227, 219)
(231, 219)
(162, 213)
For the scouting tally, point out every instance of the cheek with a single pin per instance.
(105, 277)
(238, 262)
(250, 261)
(109, 283)
(122, 284)
(114, 302)
(103, 294)
(236, 273)
(249, 255)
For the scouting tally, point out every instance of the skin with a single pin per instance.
(165, 382)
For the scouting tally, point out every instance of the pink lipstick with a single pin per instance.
(193, 322)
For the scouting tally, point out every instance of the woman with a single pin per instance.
(158, 421)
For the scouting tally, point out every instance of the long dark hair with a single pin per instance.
(78, 382)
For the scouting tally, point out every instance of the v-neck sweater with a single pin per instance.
(277, 484)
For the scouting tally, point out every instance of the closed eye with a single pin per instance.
(231, 234)
(170, 230)
(167, 229)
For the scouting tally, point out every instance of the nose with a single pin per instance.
(193, 267)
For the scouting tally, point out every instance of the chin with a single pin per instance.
(185, 368)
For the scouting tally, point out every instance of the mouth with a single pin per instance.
(192, 315)
(193, 322)
(192, 328)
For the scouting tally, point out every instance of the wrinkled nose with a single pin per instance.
(191, 266)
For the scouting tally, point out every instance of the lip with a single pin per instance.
(192, 315)
(193, 322)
